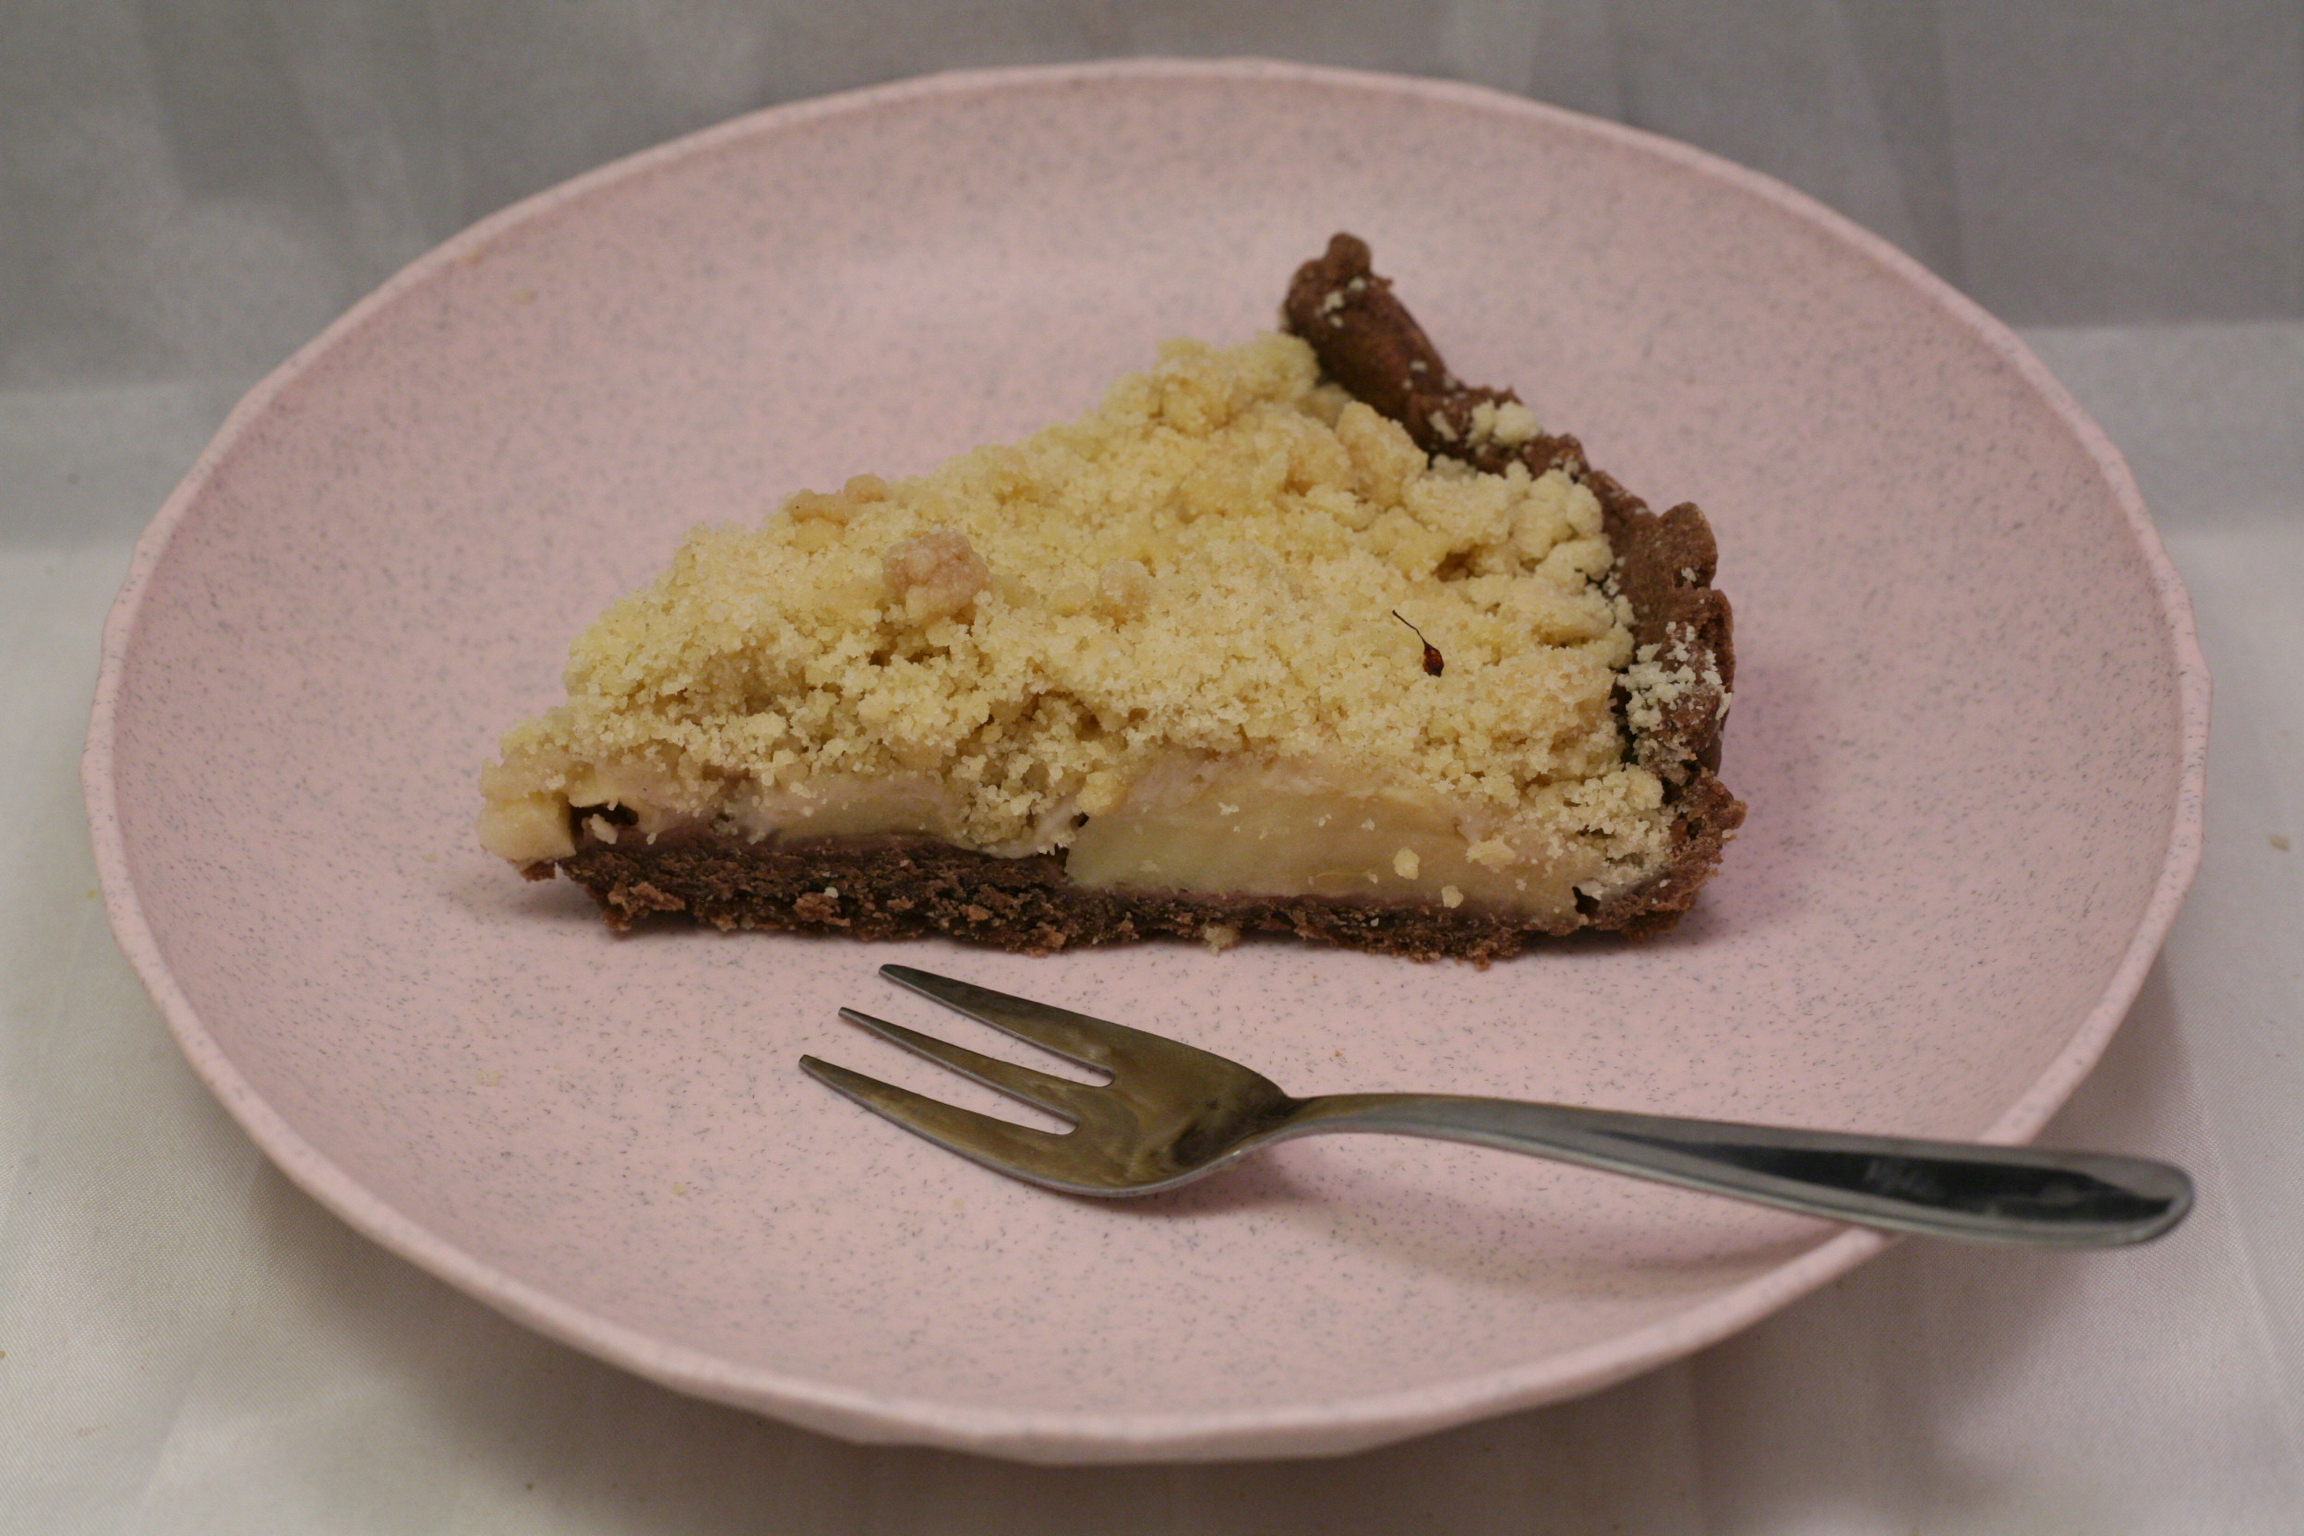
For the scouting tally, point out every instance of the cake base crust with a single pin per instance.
(892, 888)
(889, 888)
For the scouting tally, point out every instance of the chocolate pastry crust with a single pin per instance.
(890, 887)
(1368, 342)
(893, 887)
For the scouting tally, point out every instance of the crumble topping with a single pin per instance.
(1203, 570)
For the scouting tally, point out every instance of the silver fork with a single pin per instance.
(1173, 1113)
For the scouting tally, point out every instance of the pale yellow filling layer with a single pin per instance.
(1207, 828)
(1258, 830)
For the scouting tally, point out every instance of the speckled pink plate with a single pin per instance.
(1970, 725)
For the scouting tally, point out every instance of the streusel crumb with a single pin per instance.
(1208, 563)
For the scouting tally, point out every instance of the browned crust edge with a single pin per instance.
(885, 888)
(1368, 342)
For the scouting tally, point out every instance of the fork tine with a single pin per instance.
(1021, 1151)
(1056, 1094)
(1075, 1036)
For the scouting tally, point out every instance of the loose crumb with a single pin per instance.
(935, 574)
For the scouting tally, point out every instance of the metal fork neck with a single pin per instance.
(1941, 1189)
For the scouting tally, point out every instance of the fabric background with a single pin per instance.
(197, 186)
(190, 189)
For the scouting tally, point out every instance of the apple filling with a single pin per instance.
(1253, 830)
(1193, 825)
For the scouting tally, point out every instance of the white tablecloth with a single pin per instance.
(190, 1345)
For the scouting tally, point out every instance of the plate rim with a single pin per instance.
(1070, 1436)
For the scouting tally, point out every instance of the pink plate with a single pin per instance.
(1970, 726)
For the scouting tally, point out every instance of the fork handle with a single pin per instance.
(1940, 1188)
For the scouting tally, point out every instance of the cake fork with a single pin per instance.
(1172, 1113)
